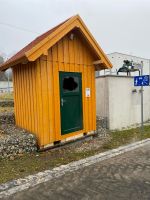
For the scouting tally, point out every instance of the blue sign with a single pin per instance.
(141, 80)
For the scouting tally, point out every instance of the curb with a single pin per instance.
(21, 184)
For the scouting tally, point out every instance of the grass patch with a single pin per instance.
(120, 138)
(6, 96)
(32, 163)
(6, 109)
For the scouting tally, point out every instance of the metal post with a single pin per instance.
(141, 98)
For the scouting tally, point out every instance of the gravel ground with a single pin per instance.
(8, 128)
(7, 125)
(13, 140)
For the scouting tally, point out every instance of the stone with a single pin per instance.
(15, 141)
(11, 158)
(20, 151)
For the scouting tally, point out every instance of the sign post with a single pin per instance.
(142, 98)
(141, 81)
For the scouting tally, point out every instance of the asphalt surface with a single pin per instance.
(126, 176)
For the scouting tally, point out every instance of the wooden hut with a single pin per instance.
(54, 82)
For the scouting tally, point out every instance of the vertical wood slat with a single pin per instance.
(22, 85)
(85, 86)
(20, 99)
(27, 96)
(20, 119)
(61, 56)
(91, 100)
(36, 76)
(94, 101)
(15, 95)
(24, 95)
(77, 54)
(34, 98)
(81, 69)
(71, 55)
(66, 53)
(18, 88)
(56, 93)
(50, 75)
(56, 102)
(44, 93)
(35, 90)
(89, 77)
(30, 98)
(40, 103)
(26, 103)
(17, 92)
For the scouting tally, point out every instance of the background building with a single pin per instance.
(6, 84)
(117, 62)
(121, 100)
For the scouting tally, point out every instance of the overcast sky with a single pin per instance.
(117, 25)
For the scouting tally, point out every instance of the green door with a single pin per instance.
(70, 102)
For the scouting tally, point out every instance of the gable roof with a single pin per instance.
(42, 43)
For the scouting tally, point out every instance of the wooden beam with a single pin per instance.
(45, 53)
(97, 62)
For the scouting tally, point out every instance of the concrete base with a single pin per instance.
(67, 140)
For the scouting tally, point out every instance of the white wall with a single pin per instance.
(102, 99)
(4, 86)
(117, 102)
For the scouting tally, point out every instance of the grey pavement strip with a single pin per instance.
(14, 186)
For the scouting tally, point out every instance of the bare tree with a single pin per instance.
(1, 59)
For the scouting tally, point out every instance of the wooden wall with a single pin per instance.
(36, 89)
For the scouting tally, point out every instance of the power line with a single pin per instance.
(19, 28)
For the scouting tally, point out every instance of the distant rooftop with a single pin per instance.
(128, 55)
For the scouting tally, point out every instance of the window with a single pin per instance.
(71, 84)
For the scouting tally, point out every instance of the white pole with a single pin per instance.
(8, 81)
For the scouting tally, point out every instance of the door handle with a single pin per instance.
(62, 101)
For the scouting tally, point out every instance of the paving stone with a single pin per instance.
(126, 176)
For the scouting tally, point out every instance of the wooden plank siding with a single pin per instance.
(37, 98)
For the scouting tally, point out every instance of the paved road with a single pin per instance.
(124, 177)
